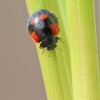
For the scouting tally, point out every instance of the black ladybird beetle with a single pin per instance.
(43, 28)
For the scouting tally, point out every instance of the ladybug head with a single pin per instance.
(49, 42)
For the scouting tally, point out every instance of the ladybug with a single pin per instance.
(43, 28)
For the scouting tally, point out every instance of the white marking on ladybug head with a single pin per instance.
(36, 19)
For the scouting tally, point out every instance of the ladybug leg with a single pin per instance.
(43, 50)
(59, 49)
(49, 54)
(56, 39)
(61, 40)
(41, 47)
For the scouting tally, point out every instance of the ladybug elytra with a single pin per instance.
(43, 28)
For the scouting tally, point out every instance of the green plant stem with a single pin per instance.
(63, 56)
(49, 65)
(51, 75)
(83, 49)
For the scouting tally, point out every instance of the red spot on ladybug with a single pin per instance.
(35, 37)
(55, 28)
(33, 20)
(43, 16)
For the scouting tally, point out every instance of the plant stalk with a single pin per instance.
(83, 49)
